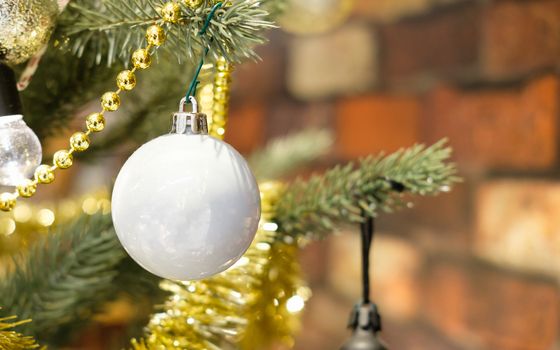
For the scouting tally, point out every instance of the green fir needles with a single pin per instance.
(112, 29)
(373, 184)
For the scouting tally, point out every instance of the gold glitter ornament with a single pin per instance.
(171, 12)
(110, 101)
(25, 27)
(27, 188)
(141, 59)
(155, 35)
(44, 174)
(126, 80)
(7, 201)
(63, 159)
(79, 142)
(95, 122)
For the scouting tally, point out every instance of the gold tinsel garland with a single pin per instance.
(250, 306)
(12, 340)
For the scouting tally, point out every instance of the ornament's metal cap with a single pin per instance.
(189, 123)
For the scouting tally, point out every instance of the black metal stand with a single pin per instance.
(365, 320)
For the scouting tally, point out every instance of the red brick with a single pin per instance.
(245, 129)
(443, 220)
(482, 307)
(500, 128)
(517, 224)
(371, 124)
(258, 81)
(520, 37)
(286, 117)
(444, 43)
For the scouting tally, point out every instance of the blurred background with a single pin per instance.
(477, 268)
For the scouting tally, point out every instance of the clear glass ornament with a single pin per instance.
(20, 150)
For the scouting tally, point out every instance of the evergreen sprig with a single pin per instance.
(62, 85)
(67, 277)
(114, 28)
(286, 154)
(59, 280)
(373, 184)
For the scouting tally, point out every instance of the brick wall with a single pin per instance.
(477, 268)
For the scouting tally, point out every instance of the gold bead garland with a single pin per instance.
(171, 12)
(63, 159)
(79, 142)
(193, 3)
(110, 101)
(126, 80)
(141, 59)
(27, 188)
(95, 122)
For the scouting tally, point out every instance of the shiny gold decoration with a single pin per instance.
(12, 340)
(214, 97)
(171, 12)
(141, 59)
(252, 305)
(7, 201)
(30, 222)
(110, 101)
(95, 122)
(25, 27)
(27, 188)
(63, 159)
(193, 4)
(126, 80)
(79, 141)
(155, 35)
(44, 174)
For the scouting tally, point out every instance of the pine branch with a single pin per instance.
(114, 28)
(66, 278)
(283, 155)
(315, 206)
(55, 95)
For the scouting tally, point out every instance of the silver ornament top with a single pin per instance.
(189, 123)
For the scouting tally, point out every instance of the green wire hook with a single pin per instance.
(194, 83)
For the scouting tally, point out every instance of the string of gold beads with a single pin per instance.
(95, 122)
(155, 36)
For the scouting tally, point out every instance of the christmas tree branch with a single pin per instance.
(114, 28)
(55, 95)
(283, 155)
(67, 277)
(374, 184)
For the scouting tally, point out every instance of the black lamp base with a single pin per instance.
(365, 323)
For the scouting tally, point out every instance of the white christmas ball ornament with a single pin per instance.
(186, 206)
